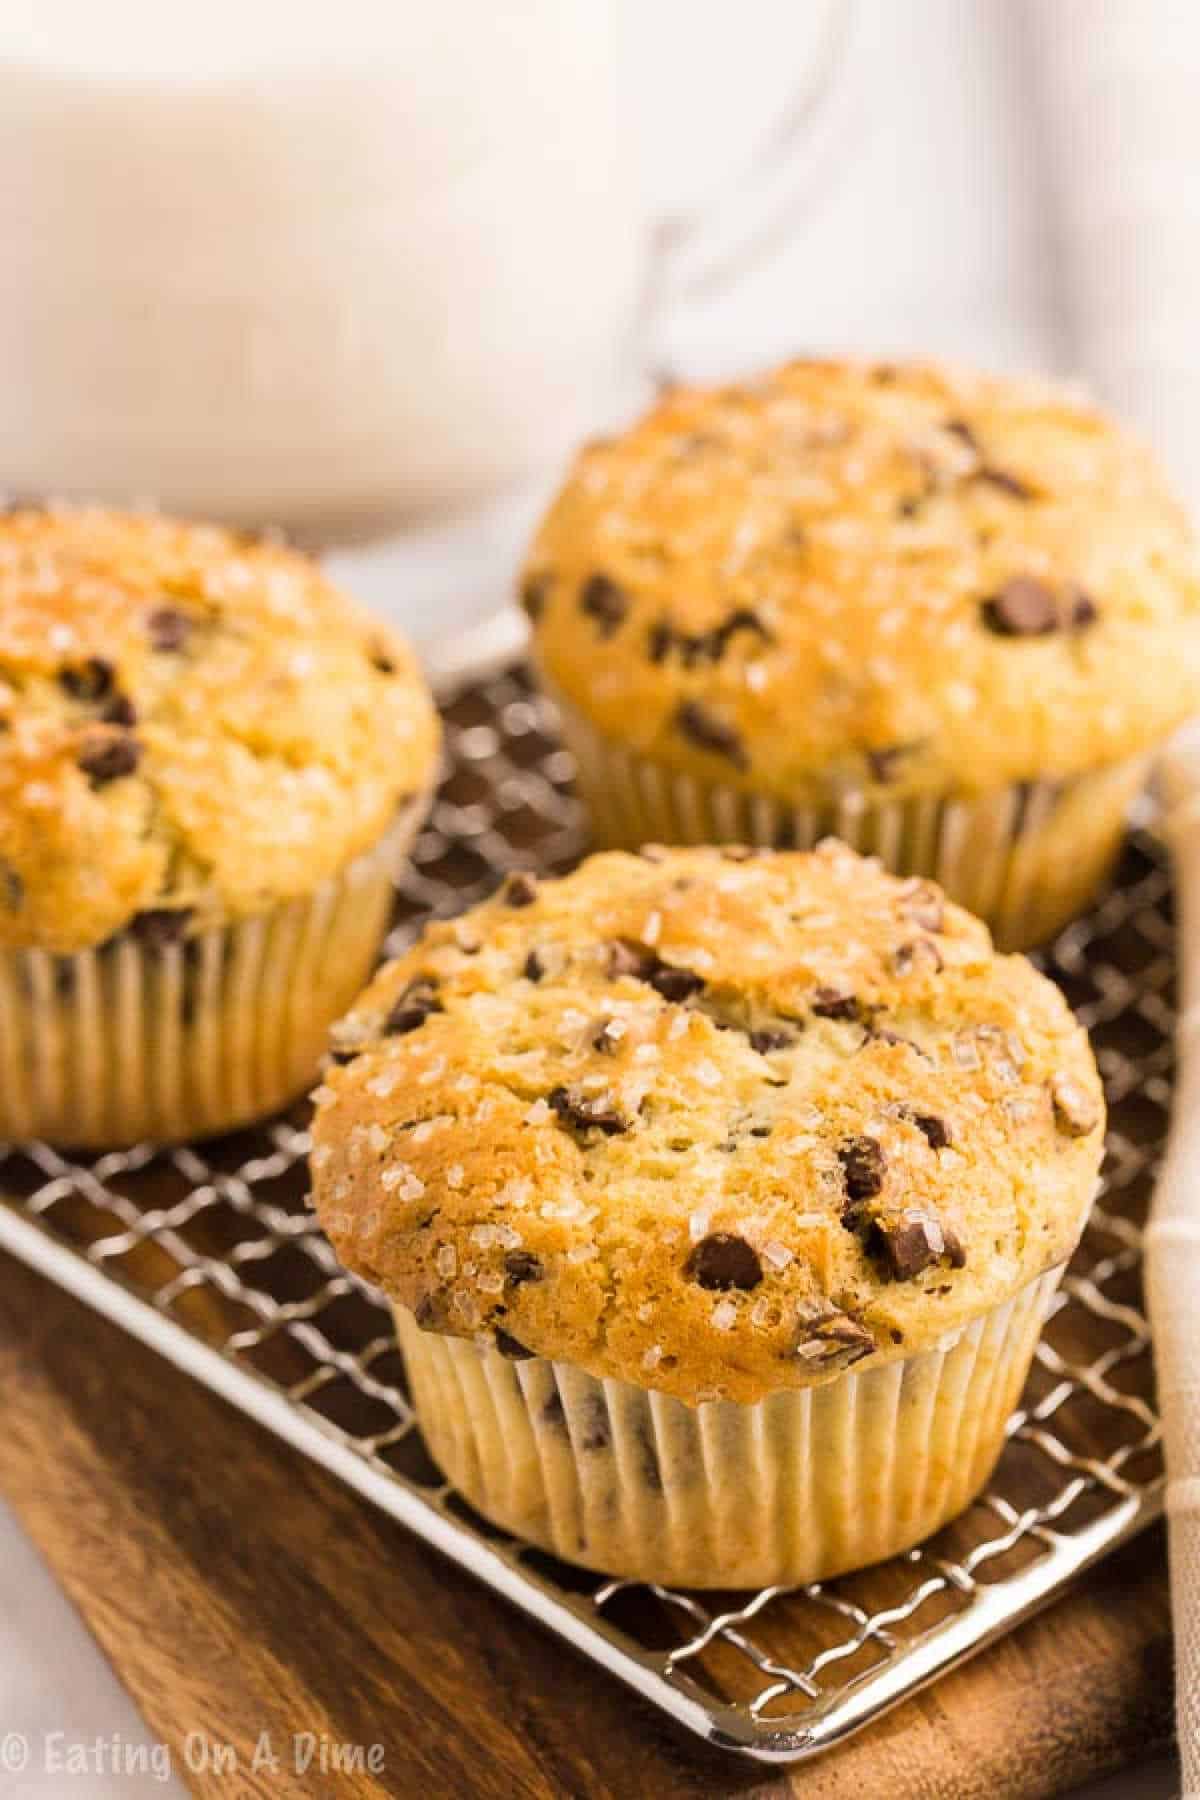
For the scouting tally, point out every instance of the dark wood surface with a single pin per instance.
(237, 1589)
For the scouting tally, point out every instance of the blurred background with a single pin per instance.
(367, 272)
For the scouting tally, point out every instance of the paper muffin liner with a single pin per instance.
(1026, 858)
(135, 1040)
(804, 1485)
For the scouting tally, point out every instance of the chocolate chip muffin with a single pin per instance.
(209, 761)
(721, 1195)
(944, 616)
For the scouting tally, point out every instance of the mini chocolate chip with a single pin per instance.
(342, 1057)
(418, 1000)
(675, 985)
(910, 1243)
(521, 889)
(962, 431)
(521, 1266)
(884, 762)
(88, 681)
(1076, 1112)
(828, 1003)
(535, 591)
(626, 958)
(659, 639)
(159, 926)
(920, 953)
(1084, 611)
(605, 1039)
(1024, 607)
(601, 599)
(924, 903)
(169, 628)
(767, 1040)
(120, 710)
(586, 1112)
(835, 1338)
(710, 733)
(1006, 482)
(722, 1261)
(379, 659)
(864, 1166)
(108, 759)
(534, 967)
(935, 1130)
(511, 1347)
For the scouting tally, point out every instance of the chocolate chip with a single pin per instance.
(1076, 1112)
(835, 1338)
(521, 1266)
(535, 591)
(1024, 607)
(651, 1469)
(694, 648)
(920, 953)
(924, 903)
(521, 889)
(418, 1000)
(767, 1040)
(962, 431)
(912, 1241)
(108, 759)
(675, 985)
(659, 640)
(534, 967)
(88, 681)
(721, 1262)
(342, 1057)
(933, 1129)
(828, 1003)
(159, 926)
(379, 658)
(601, 599)
(1084, 611)
(1007, 483)
(884, 762)
(510, 1346)
(864, 1167)
(586, 1112)
(169, 629)
(120, 710)
(710, 733)
(626, 958)
(605, 1039)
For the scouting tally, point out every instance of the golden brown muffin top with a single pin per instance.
(901, 579)
(715, 1122)
(193, 726)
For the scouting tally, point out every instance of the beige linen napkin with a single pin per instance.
(1173, 1257)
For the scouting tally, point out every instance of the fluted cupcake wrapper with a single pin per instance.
(182, 1040)
(804, 1485)
(1027, 858)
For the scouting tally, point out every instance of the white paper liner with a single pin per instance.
(1026, 858)
(131, 1041)
(802, 1486)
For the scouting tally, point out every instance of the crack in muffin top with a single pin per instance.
(194, 725)
(900, 578)
(717, 1122)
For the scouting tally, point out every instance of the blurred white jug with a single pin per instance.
(335, 267)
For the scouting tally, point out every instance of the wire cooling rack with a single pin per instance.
(212, 1256)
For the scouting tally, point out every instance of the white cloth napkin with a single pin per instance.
(1173, 1258)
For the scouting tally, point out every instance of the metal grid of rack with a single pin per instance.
(213, 1257)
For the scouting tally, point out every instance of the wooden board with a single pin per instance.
(237, 1589)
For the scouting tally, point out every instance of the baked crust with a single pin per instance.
(714, 1122)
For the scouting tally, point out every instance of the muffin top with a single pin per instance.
(193, 725)
(897, 579)
(715, 1122)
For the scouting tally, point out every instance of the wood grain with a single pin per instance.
(238, 1590)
